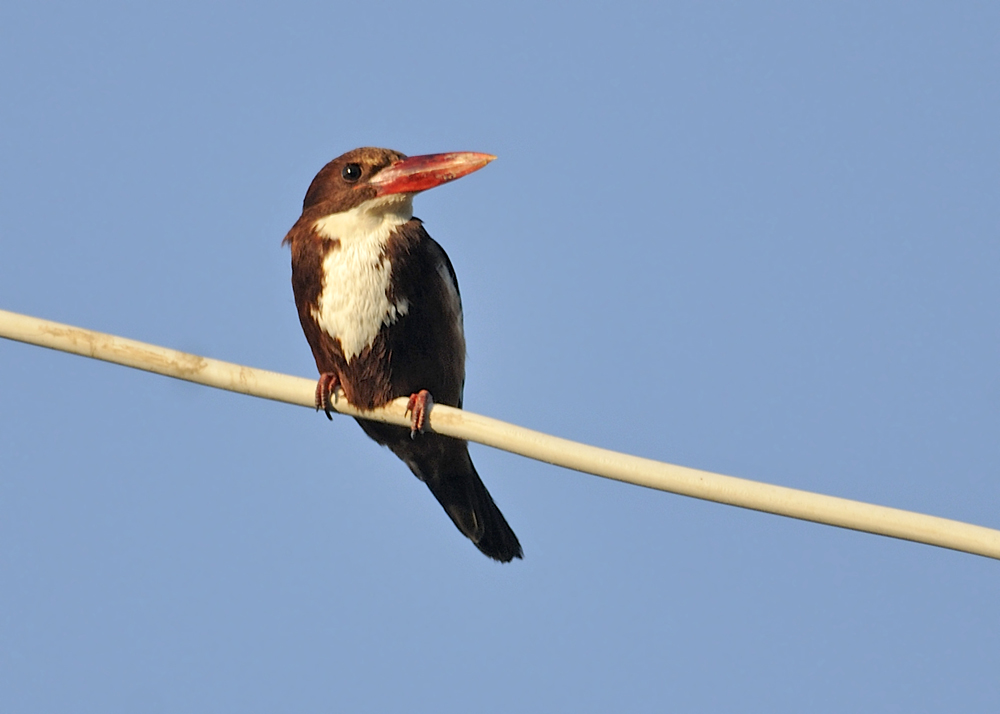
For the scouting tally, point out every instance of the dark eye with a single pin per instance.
(351, 172)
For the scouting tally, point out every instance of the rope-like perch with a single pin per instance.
(536, 445)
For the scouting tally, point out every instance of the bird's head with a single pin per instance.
(369, 173)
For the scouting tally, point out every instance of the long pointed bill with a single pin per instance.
(419, 173)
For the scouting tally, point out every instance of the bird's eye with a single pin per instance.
(351, 172)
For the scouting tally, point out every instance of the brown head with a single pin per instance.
(366, 173)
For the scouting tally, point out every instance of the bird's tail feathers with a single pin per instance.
(465, 498)
(445, 466)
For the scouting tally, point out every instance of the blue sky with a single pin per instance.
(759, 239)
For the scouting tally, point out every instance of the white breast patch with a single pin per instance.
(353, 305)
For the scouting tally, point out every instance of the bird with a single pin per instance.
(379, 304)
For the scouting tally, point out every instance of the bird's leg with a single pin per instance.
(418, 406)
(326, 387)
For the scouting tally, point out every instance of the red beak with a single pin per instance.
(419, 173)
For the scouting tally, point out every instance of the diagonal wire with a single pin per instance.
(461, 424)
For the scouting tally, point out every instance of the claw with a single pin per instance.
(418, 407)
(326, 388)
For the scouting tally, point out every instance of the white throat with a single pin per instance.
(367, 219)
(353, 303)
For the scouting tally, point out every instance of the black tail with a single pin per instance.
(445, 466)
(466, 500)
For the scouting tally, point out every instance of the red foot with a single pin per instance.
(325, 389)
(418, 407)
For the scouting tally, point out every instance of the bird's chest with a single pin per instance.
(354, 302)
